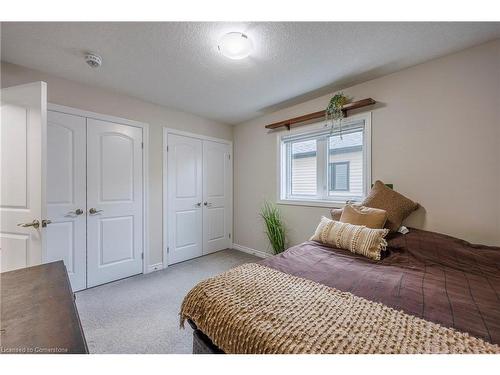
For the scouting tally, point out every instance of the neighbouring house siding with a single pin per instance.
(355, 160)
(304, 176)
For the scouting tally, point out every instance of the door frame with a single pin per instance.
(166, 132)
(145, 166)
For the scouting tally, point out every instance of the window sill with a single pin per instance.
(311, 203)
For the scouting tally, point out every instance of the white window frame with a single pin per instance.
(310, 129)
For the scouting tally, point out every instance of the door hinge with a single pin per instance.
(142, 144)
(229, 156)
(168, 249)
(167, 148)
(142, 255)
(229, 235)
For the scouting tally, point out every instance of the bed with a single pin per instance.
(427, 275)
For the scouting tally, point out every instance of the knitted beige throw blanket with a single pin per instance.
(256, 309)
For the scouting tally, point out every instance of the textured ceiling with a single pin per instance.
(178, 65)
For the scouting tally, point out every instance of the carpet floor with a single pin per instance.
(140, 314)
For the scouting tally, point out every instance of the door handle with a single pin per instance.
(45, 222)
(207, 204)
(78, 211)
(93, 211)
(35, 224)
(198, 204)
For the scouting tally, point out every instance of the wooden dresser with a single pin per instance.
(38, 312)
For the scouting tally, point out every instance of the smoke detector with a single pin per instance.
(93, 60)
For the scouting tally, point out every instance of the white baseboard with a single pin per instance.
(248, 250)
(155, 267)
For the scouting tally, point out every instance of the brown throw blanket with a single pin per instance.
(255, 309)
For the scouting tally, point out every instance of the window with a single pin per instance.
(339, 176)
(321, 166)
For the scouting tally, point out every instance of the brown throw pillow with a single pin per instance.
(360, 215)
(357, 239)
(398, 207)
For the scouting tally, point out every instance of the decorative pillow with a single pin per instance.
(398, 207)
(336, 213)
(357, 239)
(360, 215)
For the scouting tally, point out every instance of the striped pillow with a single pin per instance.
(357, 239)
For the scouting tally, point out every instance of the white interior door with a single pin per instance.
(22, 194)
(184, 202)
(216, 196)
(66, 195)
(114, 201)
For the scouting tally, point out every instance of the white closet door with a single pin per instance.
(184, 202)
(114, 201)
(216, 196)
(66, 195)
(22, 174)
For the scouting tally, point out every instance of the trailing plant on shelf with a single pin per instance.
(275, 228)
(334, 112)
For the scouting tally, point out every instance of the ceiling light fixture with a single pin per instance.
(235, 45)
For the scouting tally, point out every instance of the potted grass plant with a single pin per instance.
(275, 229)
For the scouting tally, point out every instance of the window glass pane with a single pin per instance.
(303, 167)
(345, 158)
(339, 176)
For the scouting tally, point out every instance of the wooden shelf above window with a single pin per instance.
(299, 121)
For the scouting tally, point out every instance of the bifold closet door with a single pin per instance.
(184, 200)
(216, 196)
(114, 201)
(66, 195)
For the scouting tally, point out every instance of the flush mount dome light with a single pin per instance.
(235, 45)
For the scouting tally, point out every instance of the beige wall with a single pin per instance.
(73, 94)
(435, 136)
